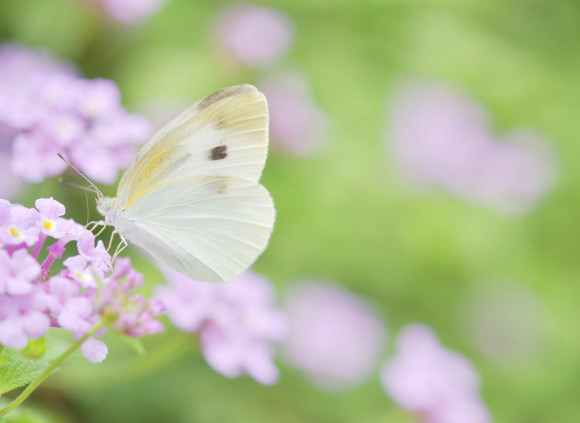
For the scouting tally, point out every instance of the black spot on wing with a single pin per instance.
(219, 95)
(218, 153)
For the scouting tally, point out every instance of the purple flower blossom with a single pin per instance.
(437, 385)
(22, 317)
(81, 271)
(76, 298)
(34, 157)
(51, 223)
(19, 225)
(77, 315)
(61, 292)
(46, 109)
(441, 138)
(334, 336)
(22, 63)
(133, 316)
(296, 123)
(254, 35)
(18, 272)
(129, 11)
(94, 350)
(237, 321)
(97, 254)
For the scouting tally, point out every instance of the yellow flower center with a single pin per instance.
(82, 276)
(14, 232)
(47, 224)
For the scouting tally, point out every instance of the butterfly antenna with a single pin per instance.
(72, 184)
(87, 204)
(93, 187)
(85, 189)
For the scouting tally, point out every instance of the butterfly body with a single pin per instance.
(115, 216)
(191, 197)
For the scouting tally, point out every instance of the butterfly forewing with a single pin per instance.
(226, 133)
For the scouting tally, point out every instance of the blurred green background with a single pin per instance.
(343, 214)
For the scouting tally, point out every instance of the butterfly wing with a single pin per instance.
(209, 228)
(226, 133)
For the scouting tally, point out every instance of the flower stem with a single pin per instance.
(48, 371)
(38, 246)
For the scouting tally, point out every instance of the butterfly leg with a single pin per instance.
(120, 247)
(101, 231)
(91, 226)
(111, 240)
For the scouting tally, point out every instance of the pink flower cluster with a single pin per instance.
(46, 109)
(437, 385)
(258, 36)
(237, 322)
(334, 336)
(254, 35)
(296, 123)
(39, 290)
(441, 138)
(129, 11)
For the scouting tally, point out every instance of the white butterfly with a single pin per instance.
(191, 198)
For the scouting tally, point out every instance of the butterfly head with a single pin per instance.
(107, 207)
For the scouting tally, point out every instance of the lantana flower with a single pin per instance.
(253, 35)
(335, 337)
(442, 138)
(46, 109)
(129, 12)
(78, 294)
(297, 124)
(237, 321)
(435, 384)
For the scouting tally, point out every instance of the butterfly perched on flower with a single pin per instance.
(191, 197)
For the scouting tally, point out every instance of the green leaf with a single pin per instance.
(16, 372)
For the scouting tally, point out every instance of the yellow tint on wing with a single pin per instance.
(155, 170)
(145, 191)
(226, 133)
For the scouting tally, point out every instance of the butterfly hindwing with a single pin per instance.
(209, 228)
